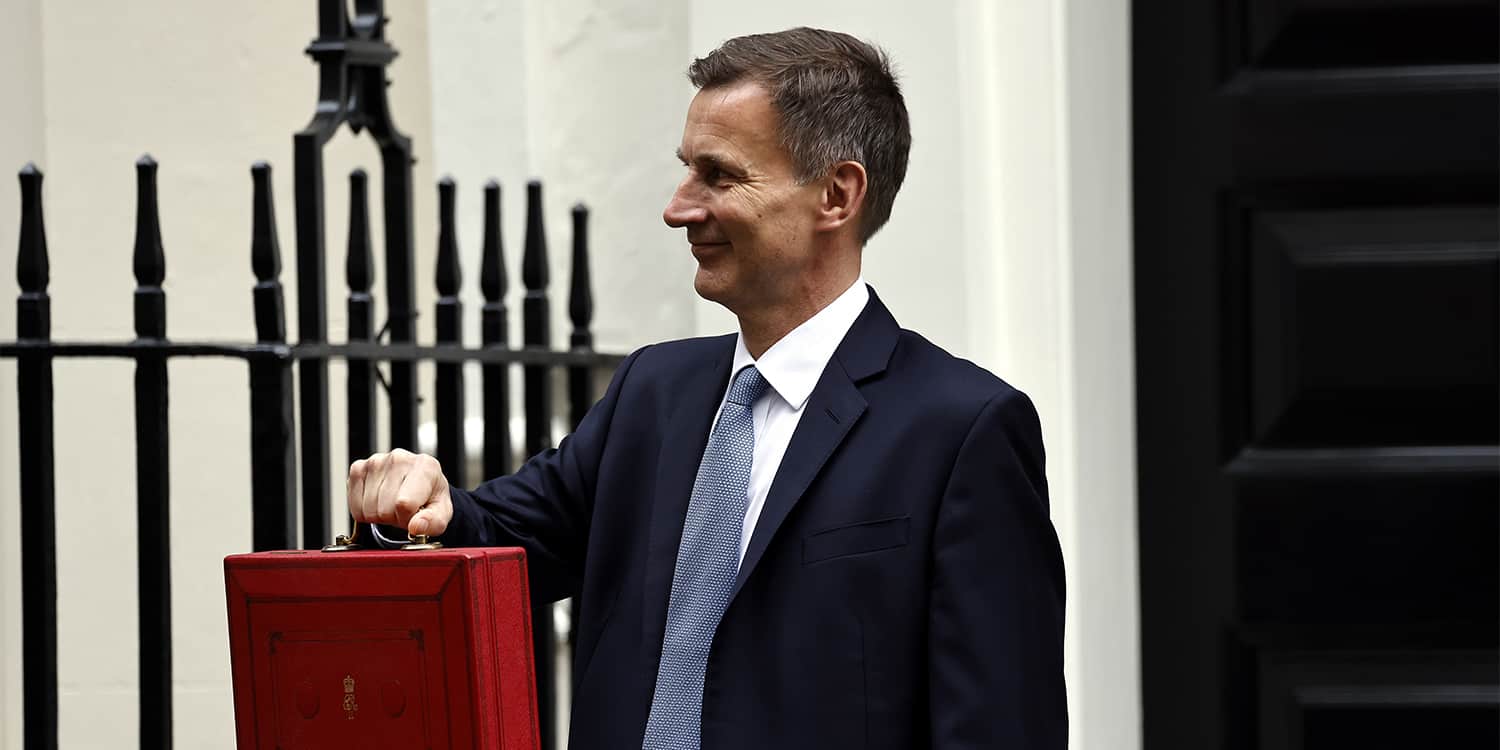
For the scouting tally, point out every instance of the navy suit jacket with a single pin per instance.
(903, 587)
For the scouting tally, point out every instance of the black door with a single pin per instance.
(1317, 294)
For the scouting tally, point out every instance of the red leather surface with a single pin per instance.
(381, 650)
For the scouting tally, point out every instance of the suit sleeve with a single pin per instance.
(546, 505)
(995, 636)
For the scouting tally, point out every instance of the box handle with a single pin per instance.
(414, 542)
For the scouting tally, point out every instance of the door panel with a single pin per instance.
(1318, 348)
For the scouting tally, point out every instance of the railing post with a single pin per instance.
(536, 323)
(359, 267)
(494, 332)
(153, 529)
(400, 252)
(38, 496)
(581, 312)
(580, 377)
(273, 467)
(312, 328)
(370, 108)
(450, 375)
(352, 55)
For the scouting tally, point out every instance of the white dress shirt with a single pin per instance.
(792, 367)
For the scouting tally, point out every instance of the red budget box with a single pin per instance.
(381, 649)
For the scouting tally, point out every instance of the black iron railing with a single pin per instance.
(352, 55)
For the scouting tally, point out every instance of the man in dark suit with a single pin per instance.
(820, 532)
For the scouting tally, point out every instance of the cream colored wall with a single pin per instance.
(1009, 245)
(1101, 426)
(205, 94)
(536, 90)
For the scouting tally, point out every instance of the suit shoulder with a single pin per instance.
(679, 352)
(666, 362)
(949, 380)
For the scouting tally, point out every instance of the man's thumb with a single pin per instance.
(424, 523)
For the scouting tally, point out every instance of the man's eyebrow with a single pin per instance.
(708, 159)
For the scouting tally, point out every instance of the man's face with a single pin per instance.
(749, 223)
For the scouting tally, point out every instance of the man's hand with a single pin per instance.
(402, 489)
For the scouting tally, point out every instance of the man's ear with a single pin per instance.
(843, 196)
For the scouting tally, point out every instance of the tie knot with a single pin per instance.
(748, 386)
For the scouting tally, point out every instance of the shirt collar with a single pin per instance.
(793, 365)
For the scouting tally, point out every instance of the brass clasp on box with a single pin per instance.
(343, 543)
(414, 543)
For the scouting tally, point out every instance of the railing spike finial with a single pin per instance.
(32, 266)
(492, 277)
(149, 258)
(580, 296)
(359, 266)
(265, 248)
(449, 275)
(534, 260)
(265, 259)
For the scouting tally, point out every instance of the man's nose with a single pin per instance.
(684, 208)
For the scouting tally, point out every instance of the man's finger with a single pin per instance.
(390, 487)
(433, 519)
(370, 481)
(417, 488)
(356, 490)
(375, 475)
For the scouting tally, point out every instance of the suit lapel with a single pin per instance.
(684, 439)
(831, 411)
(834, 406)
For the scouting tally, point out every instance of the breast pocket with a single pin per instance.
(855, 539)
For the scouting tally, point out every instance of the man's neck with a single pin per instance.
(761, 329)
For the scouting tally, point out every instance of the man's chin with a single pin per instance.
(711, 288)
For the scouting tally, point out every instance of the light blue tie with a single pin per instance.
(708, 559)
